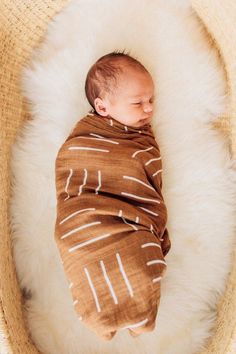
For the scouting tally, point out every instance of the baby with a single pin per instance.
(111, 216)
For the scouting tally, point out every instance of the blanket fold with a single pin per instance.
(111, 224)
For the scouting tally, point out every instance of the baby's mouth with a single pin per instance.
(145, 120)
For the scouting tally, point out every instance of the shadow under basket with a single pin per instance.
(23, 25)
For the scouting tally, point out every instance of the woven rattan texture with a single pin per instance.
(22, 27)
(219, 18)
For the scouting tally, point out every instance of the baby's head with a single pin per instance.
(120, 87)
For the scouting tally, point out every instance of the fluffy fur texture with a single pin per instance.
(198, 181)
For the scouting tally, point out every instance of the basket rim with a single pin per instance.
(14, 336)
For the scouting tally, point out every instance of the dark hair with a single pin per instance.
(103, 76)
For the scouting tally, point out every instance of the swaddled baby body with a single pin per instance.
(111, 216)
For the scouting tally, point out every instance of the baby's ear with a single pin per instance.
(100, 106)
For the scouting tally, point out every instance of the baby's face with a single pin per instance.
(132, 101)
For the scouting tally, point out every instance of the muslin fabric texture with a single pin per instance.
(111, 224)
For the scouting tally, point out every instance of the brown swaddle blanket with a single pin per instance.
(111, 224)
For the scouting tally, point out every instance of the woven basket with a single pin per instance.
(23, 24)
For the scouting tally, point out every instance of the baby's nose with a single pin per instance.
(147, 108)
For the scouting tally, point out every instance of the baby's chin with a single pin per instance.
(143, 122)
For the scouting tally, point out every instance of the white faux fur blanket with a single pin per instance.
(198, 182)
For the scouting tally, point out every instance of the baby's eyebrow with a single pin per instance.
(140, 96)
(134, 97)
